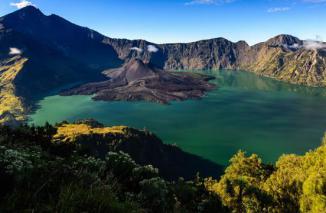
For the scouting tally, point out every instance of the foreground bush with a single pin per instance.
(294, 184)
(40, 173)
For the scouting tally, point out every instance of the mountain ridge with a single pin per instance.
(60, 53)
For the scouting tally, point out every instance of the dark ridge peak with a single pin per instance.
(55, 16)
(32, 13)
(27, 11)
(30, 8)
(284, 39)
(218, 39)
(24, 16)
(221, 38)
(242, 43)
(48, 29)
(58, 19)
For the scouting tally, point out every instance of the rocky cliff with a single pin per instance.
(283, 57)
(289, 59)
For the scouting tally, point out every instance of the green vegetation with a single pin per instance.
(39, 172)
(71, 132)
(294, 184)
(11, 106)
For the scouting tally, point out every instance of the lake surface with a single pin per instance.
(248, 112)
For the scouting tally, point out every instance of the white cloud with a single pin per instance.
(294, 46)
(137, 49)
(152, 48)
(309, 44)
(14, 51)
(22, 4)
(278, 9)
(314, 45)
(207, 2)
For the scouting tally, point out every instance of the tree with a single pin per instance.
(239, 188)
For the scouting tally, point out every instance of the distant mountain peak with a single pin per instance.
(30, 8)
(284, 39)
(133, 70)
(23, 18)
(28, 11)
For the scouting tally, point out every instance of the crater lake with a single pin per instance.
(245, 112)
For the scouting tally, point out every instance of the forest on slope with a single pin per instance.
(59, 169)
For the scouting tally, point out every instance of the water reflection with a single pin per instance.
(250, 81)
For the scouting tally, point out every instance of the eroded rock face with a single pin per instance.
(139, 81)
(216, 53)
(283, 57)
(289, 59)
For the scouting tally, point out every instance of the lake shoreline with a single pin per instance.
(248, 112)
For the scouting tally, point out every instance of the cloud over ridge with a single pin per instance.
(22, 4)
(152, 48)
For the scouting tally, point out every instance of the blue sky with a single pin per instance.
(163, 21)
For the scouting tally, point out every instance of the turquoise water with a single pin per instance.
(248, 112)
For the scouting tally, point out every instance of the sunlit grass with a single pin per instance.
(11, 106)
(69, 132)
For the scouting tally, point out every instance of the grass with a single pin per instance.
(11, 106)
(69, 132)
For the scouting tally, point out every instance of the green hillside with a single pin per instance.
(58, 169)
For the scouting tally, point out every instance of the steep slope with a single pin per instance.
(132, 71)
(11, 107)
(33, 71)
(283, 57)
(288, 59)
(207, 54)
(56, 54)
(59, 52)
(216, 53)
(79, 43)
